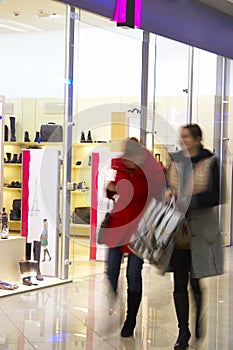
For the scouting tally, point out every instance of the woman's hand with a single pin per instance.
(168, 194)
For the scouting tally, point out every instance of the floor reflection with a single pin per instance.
(76, 315)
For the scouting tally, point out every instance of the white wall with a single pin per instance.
(32, 64)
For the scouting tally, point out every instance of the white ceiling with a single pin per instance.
(37, 15)
(31, 15)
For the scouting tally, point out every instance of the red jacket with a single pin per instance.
(135, 189)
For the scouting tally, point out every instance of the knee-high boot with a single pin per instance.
(181, 302)
(198, 303)
(28, 251)
(6, 133)
(133, 303)
(36, 252)
(12, 127)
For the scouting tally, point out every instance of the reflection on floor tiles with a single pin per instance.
(75, 315)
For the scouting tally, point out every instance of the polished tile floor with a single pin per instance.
(75, 315)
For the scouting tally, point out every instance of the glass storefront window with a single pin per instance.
(204, 91)
(171, 78)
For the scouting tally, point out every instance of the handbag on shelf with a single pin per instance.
(51, 132)
(81, 215)
(153, 239)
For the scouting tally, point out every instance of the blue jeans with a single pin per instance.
(133, 270)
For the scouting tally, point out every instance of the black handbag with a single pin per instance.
(103, 226)
(104, 223)
(51, 132)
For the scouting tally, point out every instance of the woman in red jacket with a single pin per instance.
(139, 177)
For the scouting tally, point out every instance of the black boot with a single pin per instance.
(14, 159)
(28, 251)
(36, 253)
(6, 133)
(89, 138)
(12, 127)
(20, 159)
(133, 303)
(26, 137)
(37, 138)
(182, 311)
(82, 139)
(8, 158)
(198, 303)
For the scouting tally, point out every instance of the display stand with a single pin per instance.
(2, 117)
(40, 205)
(12, 250)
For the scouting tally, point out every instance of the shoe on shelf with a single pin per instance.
(89, 138)
(82, 139)
(5, 232)
(26, 137)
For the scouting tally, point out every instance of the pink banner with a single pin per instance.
(94, 204)
(25, 193)
(120, 12)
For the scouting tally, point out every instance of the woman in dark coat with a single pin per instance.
(193, 176)
(138, 178)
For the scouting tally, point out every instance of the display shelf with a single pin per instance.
(7, 188)
(13, 164)
(78, 230)
(14, 225)
(79, 173)
(32, 144)
(11, 173)
(80, 167)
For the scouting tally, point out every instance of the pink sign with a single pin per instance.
(120, 12)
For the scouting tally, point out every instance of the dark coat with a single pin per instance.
(202, 216)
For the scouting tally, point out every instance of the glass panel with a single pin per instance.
(170, 93)
(107, 80)
(32, 79)
(107, 75)
(227, 211)
(204, 90)
(32, 65)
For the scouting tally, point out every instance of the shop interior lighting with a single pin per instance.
(18, 26)
(12, 28)
(43, 14)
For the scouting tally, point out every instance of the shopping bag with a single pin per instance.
(153, 238)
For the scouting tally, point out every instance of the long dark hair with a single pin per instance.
(195, 131)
